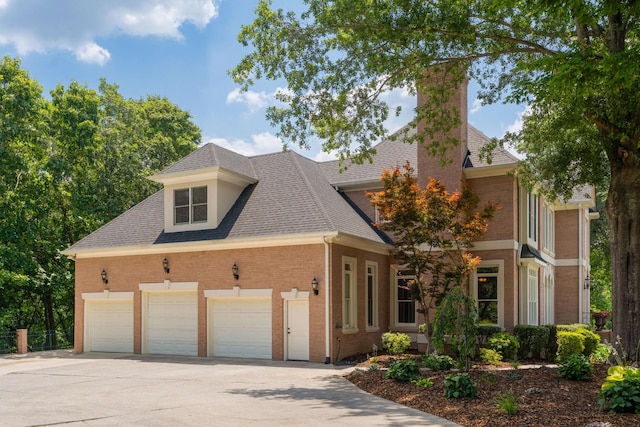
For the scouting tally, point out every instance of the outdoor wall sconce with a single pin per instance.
(588, 282)
(314, 285)
(234, 270)
(165, 265)
(104, 276)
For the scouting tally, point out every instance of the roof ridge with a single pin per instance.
(295, 159)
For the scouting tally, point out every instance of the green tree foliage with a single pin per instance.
(574, 62)
(67, 166)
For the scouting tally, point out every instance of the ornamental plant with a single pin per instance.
(504, 343)
(576, 367)
(620, 391)
(396, 342)
(403, 370)
(437, 362)
(459, 385)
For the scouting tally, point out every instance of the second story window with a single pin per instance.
(532, 208)
(190, 205)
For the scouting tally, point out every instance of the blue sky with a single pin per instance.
(180, 50)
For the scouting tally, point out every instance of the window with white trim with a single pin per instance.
(190, 205)
(487, 294)
(532, 296)
(405, 304)
(532, 215)
(349, 297)
(548, 227)
(549, 301)
(371, 291)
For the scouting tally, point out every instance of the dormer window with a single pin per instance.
(190, 205)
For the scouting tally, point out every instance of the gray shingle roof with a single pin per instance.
(394, 153)
(211, 155)
(292, 196)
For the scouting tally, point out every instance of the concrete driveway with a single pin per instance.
(59, 388)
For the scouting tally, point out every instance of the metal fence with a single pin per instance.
(8, 343)
(37, 341)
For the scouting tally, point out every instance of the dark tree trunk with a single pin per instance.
(623, 214)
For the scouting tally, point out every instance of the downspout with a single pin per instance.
(580, 263)
(327, 299)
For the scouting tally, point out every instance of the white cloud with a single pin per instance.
(74, 25)
(255, 100)
(262, 143)
(516, 126)
(477, 104)
(325, 157)
(403, 99)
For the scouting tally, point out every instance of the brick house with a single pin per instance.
(274, 257)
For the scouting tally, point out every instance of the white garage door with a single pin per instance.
(241, 327)
(172, 323)
(109, 326)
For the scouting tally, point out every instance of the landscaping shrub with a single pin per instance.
(602, 353)
(490, 356)
(508, 402)
(621, 390)
(403, 370)
(571, 327)
(485, 332)
(396, 342)
(437, 362)
(576, 367)
(569, 344)
(532, 339)
(551, 347)
(459, 385)
(505, 344)
(591, 341)
(423, 382)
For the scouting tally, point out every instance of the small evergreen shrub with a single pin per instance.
(621, 390)
(571, 327)
(569, 344)
(504, 343)
(490, 356)
(396, 342)
(437, 362)
(485, 332)
(576, 367)
(508, 402)
(423, 382)
(403, 370)
(532, 339)
(459, 385)
(551, 347)
(591, 341)
(374, 367)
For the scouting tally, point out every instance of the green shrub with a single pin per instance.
(437, 362)
(396, 342)
(551, 348)
(591, 341)
(576, 367)
(569, 344)
(490, 356)
(423, 382)
(532, 339)
(374, 367)
(621, 390)
(485, 332)
(459, 385)
(571, 327)
(602, 353)
(403, 370)
(508, 402)
(505, 344)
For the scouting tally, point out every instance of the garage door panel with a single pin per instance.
(109, 326)
(242, 328)
(172, 323)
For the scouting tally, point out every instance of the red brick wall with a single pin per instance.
(566, 295)
(278, 268)
(566, 244)
(503, 191)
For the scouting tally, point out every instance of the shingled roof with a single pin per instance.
(292, 195)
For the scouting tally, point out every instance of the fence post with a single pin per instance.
(22, 335)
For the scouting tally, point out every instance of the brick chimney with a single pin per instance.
(430, 166)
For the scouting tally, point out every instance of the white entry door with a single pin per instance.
(297, 329)
(172, 323)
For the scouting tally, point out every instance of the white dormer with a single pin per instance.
(199, 198)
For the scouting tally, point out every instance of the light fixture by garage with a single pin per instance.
(103, 275)
(165, 265)
(234, 270)
(314, 285)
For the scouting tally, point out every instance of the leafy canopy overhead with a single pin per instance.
(574, 62)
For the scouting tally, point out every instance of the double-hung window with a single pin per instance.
(487, 294)
(190, 205)
(532, 207)
(349, 295)
(405, 304)
(372, 295)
